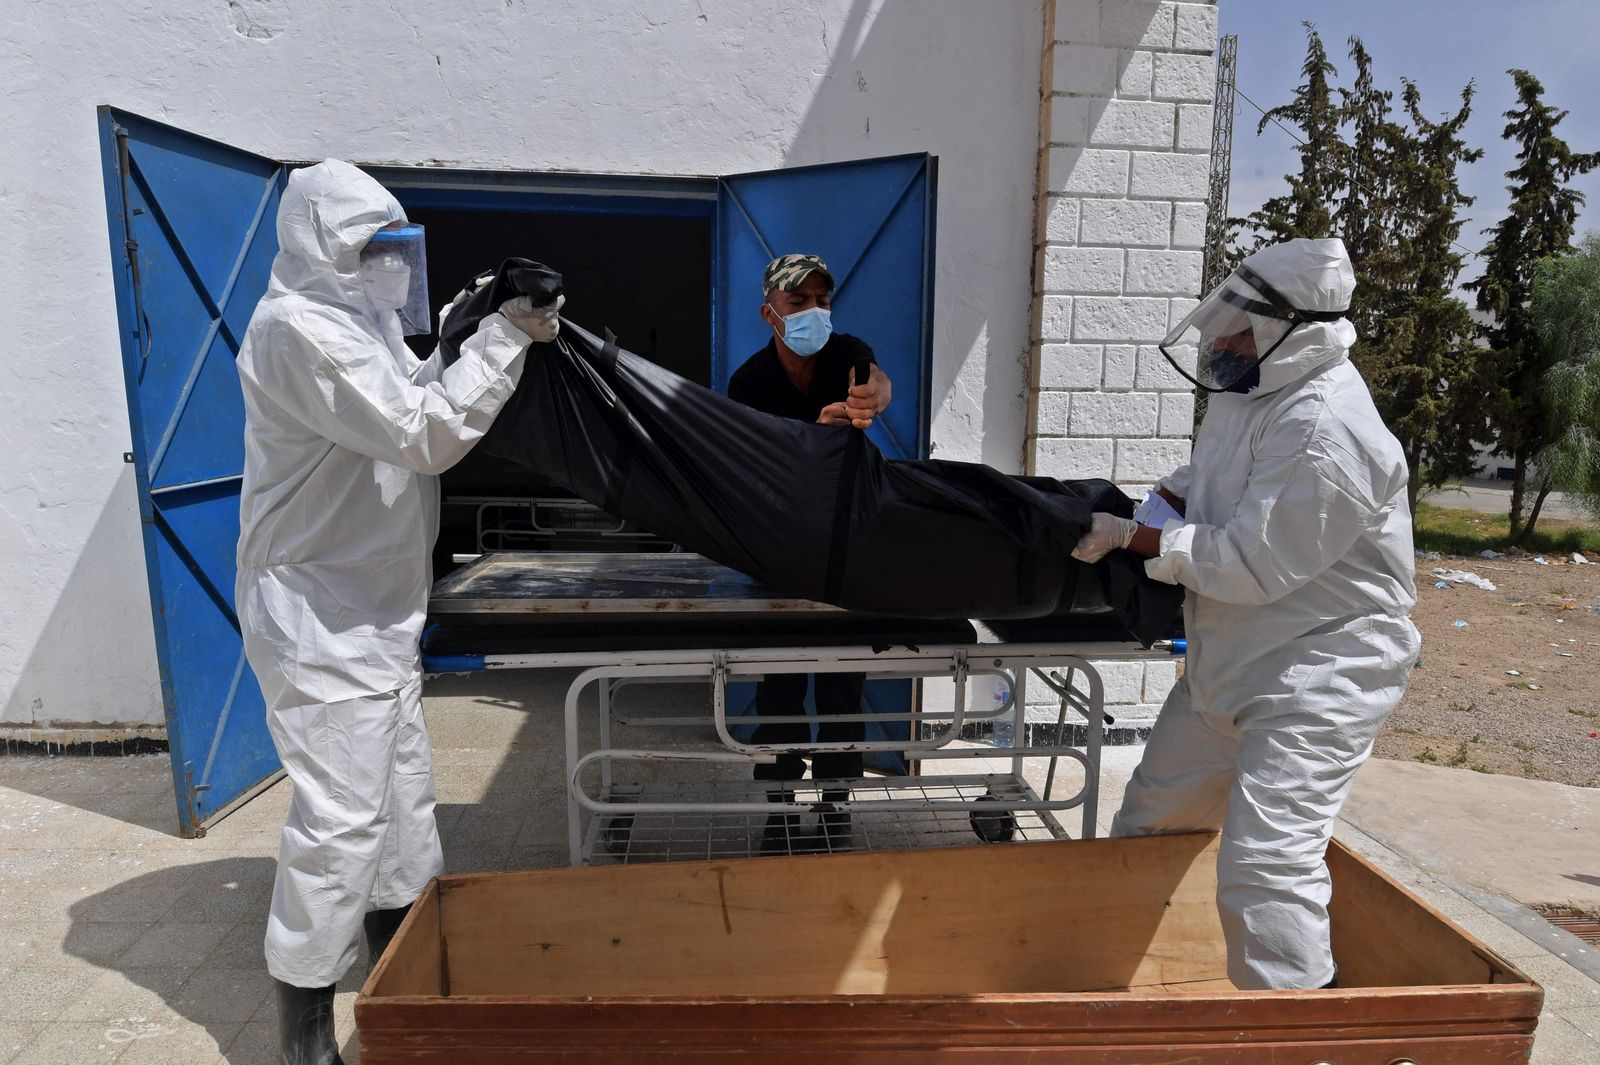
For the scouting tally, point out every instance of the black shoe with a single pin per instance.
(305, 1025)
(380, 926)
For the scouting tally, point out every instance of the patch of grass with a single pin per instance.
(1581, 713)
(1476, 768)
(1402, 730)
(1522, 745)
(1477, 737)
(1460, 757)
(1470, 708)
(1427, 755)
(1522, 684)
(1466, 532)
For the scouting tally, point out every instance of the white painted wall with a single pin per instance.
(644, 86)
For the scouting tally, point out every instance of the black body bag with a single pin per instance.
(811, 510)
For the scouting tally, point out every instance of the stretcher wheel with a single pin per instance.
(994, 826)
(616, 833)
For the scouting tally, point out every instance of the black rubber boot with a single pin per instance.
(380, 926)
(305, 1025)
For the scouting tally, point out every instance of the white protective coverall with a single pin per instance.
(344, 432)
(1297, 553)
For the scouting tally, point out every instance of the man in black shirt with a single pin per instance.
(806, 372)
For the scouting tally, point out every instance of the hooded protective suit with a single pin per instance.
(1297, 552)
(344, 430)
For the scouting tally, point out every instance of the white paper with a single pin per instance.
(1155, 511)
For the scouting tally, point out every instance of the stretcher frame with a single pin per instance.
(598, 802)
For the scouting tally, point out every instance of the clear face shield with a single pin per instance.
(1233, 330)
(394, 275)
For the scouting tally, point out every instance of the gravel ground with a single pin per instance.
(1464, 706)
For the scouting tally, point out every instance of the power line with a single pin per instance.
(1296, 138)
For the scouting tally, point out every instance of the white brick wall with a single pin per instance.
(1085, 270)
(1129, 123)
(1134, 691)
(1127, 136)
(1116, 414)
(1188, 225)
(1126, 223)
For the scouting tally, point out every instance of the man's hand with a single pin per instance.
(540, 323)
(1175, 501)
(1107, 533)
(834, 414)
(866, 402)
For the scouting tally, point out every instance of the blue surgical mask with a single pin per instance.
(806, 331)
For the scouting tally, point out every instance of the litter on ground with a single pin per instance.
(1462, 576)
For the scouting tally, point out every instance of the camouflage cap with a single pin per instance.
(787, 271)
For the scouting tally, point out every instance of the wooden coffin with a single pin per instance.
(1102, 951)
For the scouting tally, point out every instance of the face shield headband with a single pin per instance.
(394, 275)
(1233, 331)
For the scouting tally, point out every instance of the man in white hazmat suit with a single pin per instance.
(344, 432)
(1296, 550)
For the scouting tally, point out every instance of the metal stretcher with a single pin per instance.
(625, 620)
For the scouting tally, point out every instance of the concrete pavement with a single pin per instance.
(121, 943)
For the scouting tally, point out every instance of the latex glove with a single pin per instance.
(1107, 532)
(543, 324)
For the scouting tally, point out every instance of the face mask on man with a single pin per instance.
(805, 332)
(386, 279)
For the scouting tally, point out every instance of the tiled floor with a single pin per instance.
(120, 942)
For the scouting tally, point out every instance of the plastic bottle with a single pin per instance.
(1003, 734)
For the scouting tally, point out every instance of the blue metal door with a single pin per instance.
(192, 241)
(872, 222)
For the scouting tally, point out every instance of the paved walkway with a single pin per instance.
(120, 942)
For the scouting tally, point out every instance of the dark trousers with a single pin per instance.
(784, 694)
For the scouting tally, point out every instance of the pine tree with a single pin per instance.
(1368, 222)
(1438, 405)
(1538, 225)
(1308, 208)
(1389, 187)
(1398, 219)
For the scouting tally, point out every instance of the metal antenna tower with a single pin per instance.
(1216, 254)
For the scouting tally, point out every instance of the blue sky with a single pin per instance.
(1440, 45)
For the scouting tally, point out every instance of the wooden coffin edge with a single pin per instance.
(1506, 974)
(1504, 1011)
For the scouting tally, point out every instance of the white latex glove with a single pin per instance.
(541, 323)
(1107, 532)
